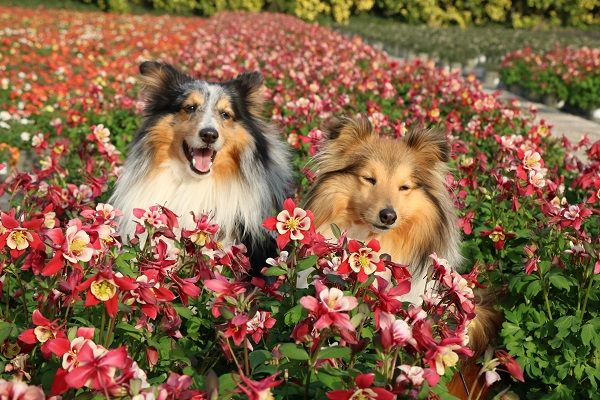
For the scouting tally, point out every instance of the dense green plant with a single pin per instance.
(568, 74)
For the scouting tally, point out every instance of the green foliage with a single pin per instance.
(565, 74)
(484, 45)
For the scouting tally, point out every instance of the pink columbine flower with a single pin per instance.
(363, 260)
(394, 332)
(292, 223)
(536, 178)
(532, 160)
(77, 244)
(412, 374)
(258, 390)
(330, 307)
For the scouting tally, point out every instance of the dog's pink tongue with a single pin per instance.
(203, 159)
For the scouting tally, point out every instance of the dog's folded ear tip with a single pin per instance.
(147, 67)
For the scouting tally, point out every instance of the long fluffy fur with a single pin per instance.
(426, 221)
(250, 175)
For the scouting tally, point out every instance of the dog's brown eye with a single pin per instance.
(190, 109)
(372, 181)
(403, 188)
(225, 115)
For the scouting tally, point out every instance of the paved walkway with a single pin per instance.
(571, 126)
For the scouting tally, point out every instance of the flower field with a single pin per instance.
(571, 75)
(176, 317)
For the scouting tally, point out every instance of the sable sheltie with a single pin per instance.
(388, 189)
(204, 147)
(394, 190)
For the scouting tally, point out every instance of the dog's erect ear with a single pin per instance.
(431, 142)
(348, 128)
(250, 87)
(160, 83)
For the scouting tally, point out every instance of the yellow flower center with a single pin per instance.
(363, 260)
(266, 395)
(103, 290)
(77, 246)
(43, 334)
(496, 236)
(292, 223)
(200, 238)
(19, 238)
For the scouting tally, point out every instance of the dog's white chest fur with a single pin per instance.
(228, 202)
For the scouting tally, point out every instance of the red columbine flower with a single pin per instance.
(394, 332)
(259, 324)
(498, 236)
(97, 367)
(224, 290)
(511, 365)
(69, 351)
(73, 245)
(44, 331)
(330, 307)
(364, 390)
(258, 390)
(237, 329)
(363, 260)
(203, 232)
(104, 287)
(18, 237)
(293, 223)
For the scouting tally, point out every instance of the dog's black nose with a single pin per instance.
(387, 216)
(209, 135)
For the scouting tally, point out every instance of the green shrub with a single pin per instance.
(568, 74)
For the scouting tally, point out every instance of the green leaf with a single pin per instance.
(183, 311)
(306, 263)
(226, 384)
(258, 357)
(275, 271)
(293, 352)
(7, 329)
(335, 352)
(330, 381)
(560, 281)
(293, 315)
(587, 334)
(336, 231)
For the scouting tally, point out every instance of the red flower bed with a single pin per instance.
(568, 74)
(82, 313)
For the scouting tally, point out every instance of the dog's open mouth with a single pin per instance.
(200, 158)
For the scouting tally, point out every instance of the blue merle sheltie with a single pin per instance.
(204, 147)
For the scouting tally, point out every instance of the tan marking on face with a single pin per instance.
(195, 98)
(228, 159)
(162, 140)
(224, 105)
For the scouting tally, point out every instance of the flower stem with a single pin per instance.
(246, 358)
(587, 293)
(545, 291)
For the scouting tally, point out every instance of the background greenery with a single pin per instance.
(515, 13)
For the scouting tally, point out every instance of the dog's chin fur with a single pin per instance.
(248, 177)
(425, 214)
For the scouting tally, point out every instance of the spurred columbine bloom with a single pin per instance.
(363, 260)
(258, 390)
(330, 308)
(43, 333)
(498, 236)
(511, 365)
(18, 237)
(364, 390)
(293, 223)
